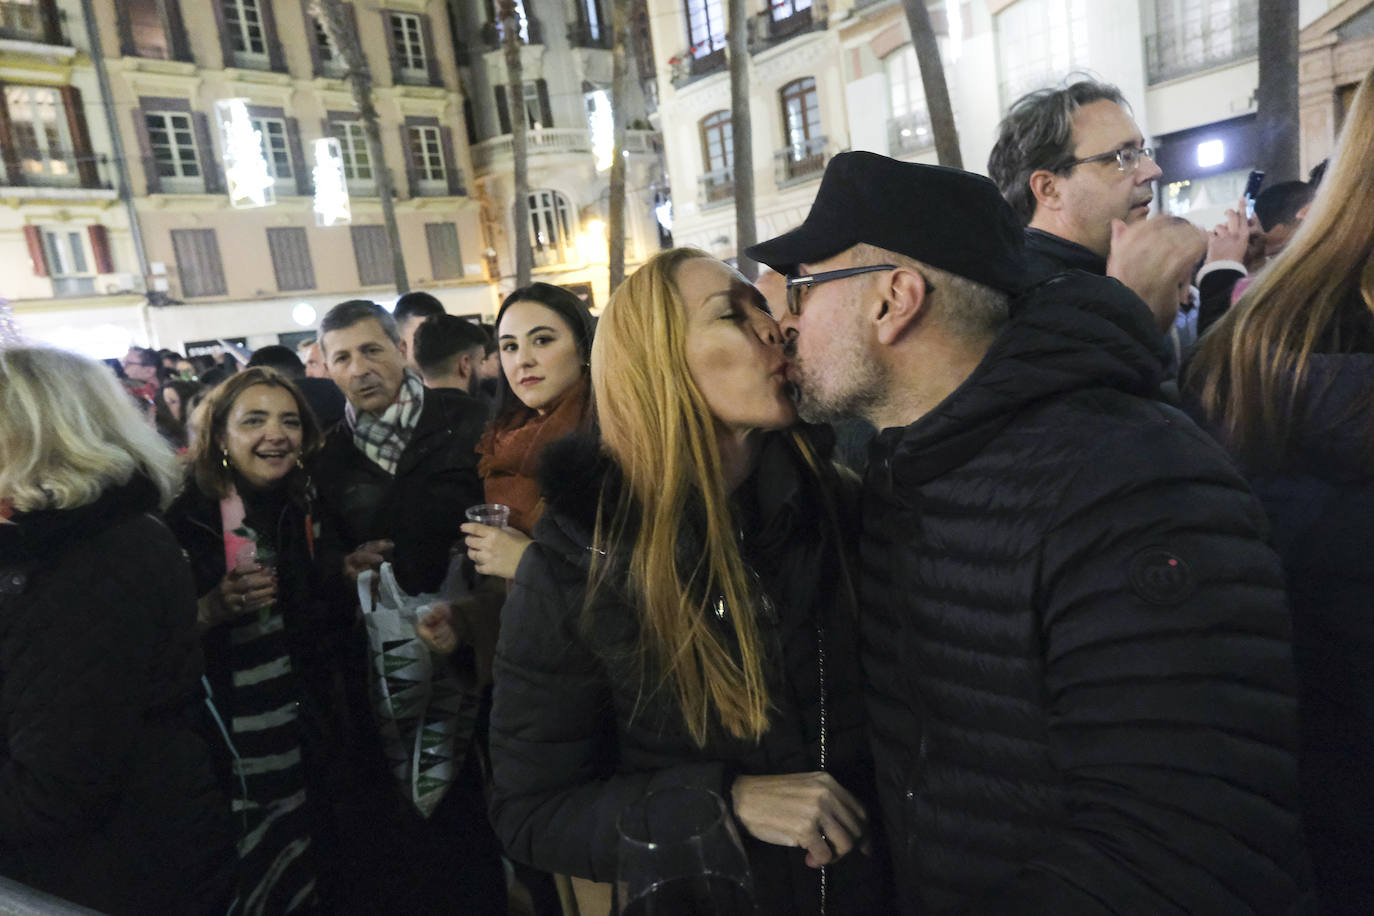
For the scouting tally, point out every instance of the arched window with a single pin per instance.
(551, 228)
(717, 141)
(718, 157)
(801, 112)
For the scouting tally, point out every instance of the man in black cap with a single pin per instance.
(1075, 639)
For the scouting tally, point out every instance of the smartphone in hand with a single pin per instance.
(1252, 189)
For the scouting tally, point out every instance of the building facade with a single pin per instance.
(212, 270)
(64, 234)
(843, 75)
(566, 105)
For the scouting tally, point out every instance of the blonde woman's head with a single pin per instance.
(69, 432)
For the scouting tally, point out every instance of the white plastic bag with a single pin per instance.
(425, 716)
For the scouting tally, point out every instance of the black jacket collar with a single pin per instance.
(1048, 254)
(1070, 333)
(44, 533)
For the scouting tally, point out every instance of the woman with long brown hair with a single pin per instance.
(683, 617)
(1286, 382)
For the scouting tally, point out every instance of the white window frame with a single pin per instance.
(240, 18)
(276, 145)
(353, 149)
(71, 267)
(187, 172)
(51, 156)
(705, 27)
(1038, 41)
(427, 158)
(782, 10)
(552, 234)
(408, 38)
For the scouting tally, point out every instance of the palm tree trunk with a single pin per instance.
(742, 135)
(620, 84)
(1277, 96)
(515, 101)
(333, 16)
(933, 80)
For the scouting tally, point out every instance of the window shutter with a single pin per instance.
(455, 177)
(436, 77)
(8, 153)
(276, 54)
(179, 44)
(445, 258)
(290, 248)
(502, 110)
(81, 138)
(226, 46)
(372, 252)
(198, 263)
(304, 184)
(412, 173)
(205, 152)
(37, 256)
(545, 111)
(145, 152)
(100, 248)
(391, 48)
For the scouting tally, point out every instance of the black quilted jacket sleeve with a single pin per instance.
(557, 787)
(1172, 701)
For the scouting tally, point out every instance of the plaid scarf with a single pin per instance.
(383, 438)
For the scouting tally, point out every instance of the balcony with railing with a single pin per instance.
(490, 34)
(42, 23)
(48, 175)
(585, 35)
(717, 188)
(799, 162)
(909, 134)
(1214, 39)
(497, 153)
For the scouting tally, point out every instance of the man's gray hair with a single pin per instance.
(966, 309)
(1037, 133)
(347, 314)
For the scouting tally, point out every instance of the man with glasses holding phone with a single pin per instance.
(1074, 166)
(1074, 638)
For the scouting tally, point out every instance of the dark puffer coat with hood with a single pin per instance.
(107, 797)
(1075, 640)
(572, 739)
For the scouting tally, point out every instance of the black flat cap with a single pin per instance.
(947, 218)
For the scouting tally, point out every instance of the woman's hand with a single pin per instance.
(239, 592)
(809, 810)
(436, 629)
(495, 551)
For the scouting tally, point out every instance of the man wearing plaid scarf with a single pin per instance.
(393, 477)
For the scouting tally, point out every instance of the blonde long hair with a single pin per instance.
(1251, 368)
(69, 432)
(656, 425)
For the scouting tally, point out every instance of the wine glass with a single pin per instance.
(680, 855)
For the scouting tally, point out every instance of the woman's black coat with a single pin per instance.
(106, 792)
(573, 739)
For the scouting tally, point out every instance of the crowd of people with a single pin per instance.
(964, 579)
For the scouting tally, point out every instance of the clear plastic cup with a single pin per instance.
(493, 514)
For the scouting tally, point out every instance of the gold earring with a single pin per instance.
(224, 459)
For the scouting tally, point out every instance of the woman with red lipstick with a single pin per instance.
(244, 522)
(684, 617)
